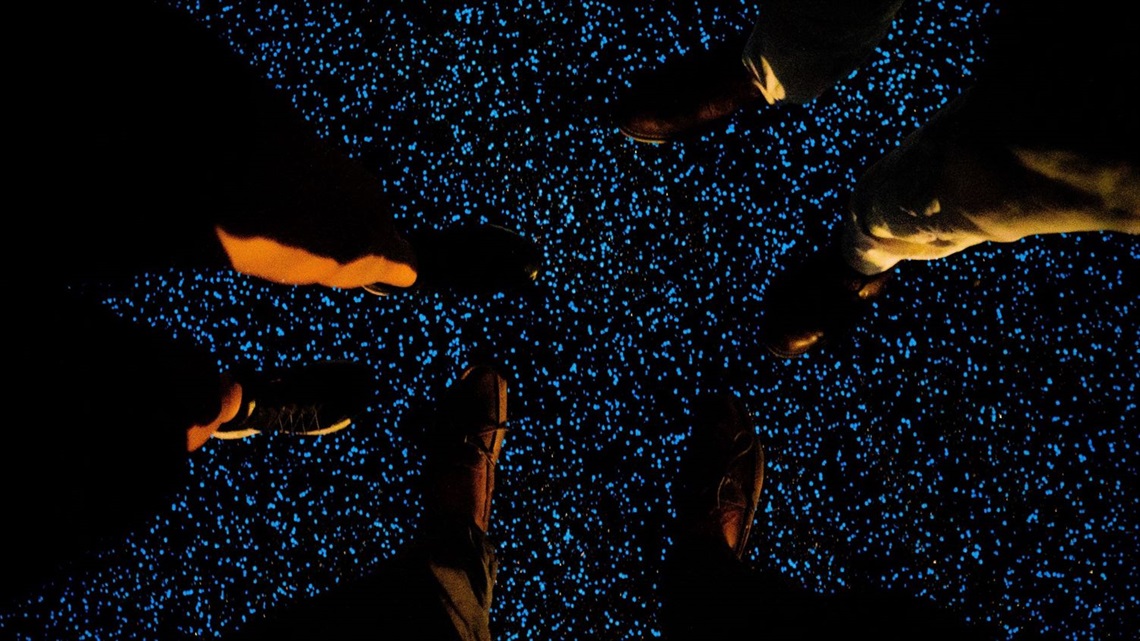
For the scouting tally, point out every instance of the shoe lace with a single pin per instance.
(730, 493)
(286, 419)
(476, 441)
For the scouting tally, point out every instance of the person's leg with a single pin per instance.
(795, 52)
(464, 442)
(1044, 143)
(710, 592)
(106, 412)
(707, 590)
(291, 207)
(800, 48)
(147, 143)
(954, 184)
(438, 589)
(99, 411)
(441, 587)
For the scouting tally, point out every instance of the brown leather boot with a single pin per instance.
(465, 441)
(815, 302)
(688, 96)
(722, 473)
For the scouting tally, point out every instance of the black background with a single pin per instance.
(973, 442)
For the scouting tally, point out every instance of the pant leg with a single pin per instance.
(464, 566)
(439, 589)
(940, 193)
(1045, 142)
(809, 45)
(145, 140)
(97, 410)
(707, 593)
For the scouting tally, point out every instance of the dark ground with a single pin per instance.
(973, 443)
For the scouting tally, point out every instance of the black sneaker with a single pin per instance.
(310, 401)
(470, 259)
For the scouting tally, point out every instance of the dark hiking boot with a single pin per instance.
(470, 259)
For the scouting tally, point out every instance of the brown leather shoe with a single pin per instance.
(722, 473)
(464, 443)
(688, 96)
(815, 302)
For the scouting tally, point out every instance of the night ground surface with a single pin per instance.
(972, 443)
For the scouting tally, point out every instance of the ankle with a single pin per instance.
(231, 404)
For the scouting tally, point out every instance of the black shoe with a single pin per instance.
(688, 96)
(815, 303)
(470, 259)
(317, 399)
(722, 472)
(465, 440)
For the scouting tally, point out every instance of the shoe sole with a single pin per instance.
(782, 354)
(377, 289)
(642, 139)
(237, 435)
(692, 133)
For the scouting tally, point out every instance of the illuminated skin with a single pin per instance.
(280, 263)
(946, 189)
(271, 260)
(197, 435)
(955, 182)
